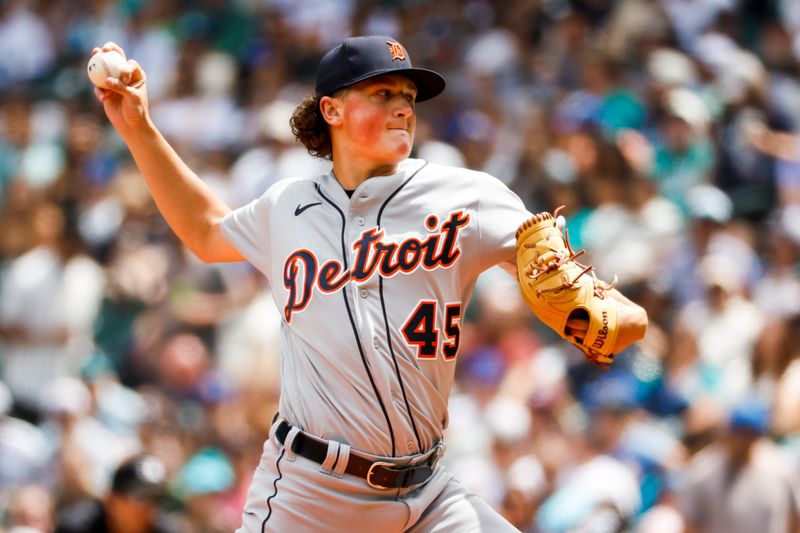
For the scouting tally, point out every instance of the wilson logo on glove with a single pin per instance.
(602, 334)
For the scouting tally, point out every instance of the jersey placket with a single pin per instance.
(361, 217)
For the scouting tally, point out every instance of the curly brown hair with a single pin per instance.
(310, 128)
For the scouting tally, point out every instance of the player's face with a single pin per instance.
(378, 119)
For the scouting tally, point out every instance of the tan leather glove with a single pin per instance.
(557, 288)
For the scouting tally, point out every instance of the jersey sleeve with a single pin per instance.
(500, 212)
(248, 229)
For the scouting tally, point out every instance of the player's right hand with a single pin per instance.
(124, 100)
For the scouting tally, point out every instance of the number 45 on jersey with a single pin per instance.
(422, 331)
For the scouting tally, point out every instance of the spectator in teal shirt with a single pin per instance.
(683, 155)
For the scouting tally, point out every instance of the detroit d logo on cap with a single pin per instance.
(398, 54)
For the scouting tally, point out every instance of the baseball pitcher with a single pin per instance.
(372, 266)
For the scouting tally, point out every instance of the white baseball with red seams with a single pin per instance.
(104, 65)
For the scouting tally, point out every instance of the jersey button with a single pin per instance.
(360, 221)
(363, 293)
(375, 342)
(410, 445)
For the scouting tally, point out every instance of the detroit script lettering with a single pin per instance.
(302, 272)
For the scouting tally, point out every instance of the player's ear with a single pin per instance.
(331, 110)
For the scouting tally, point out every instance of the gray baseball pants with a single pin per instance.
(290, 493)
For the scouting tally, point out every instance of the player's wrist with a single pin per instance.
(139, 129)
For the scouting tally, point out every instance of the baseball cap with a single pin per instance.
(359, 58)
(686, 105)
(707, 202)
(142, 477)
(208, 471)
(719, 270)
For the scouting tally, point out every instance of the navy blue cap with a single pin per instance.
(142, 477)
(359, 58)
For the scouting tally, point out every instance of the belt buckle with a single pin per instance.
(369, 474)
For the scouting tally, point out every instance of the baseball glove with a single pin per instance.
(557, 288)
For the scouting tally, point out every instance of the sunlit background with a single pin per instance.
(666, 127)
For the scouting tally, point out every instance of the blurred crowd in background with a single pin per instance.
(666, 128)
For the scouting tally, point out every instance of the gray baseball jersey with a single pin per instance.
(373, 290)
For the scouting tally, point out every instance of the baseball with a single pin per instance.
(103, 65)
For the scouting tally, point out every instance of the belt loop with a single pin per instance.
(275, 423)
(331, 457)
(440, 447)
(287, 444)
(344, 458)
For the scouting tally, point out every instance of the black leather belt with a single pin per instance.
(378, 474)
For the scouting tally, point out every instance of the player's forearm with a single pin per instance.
(189, 206)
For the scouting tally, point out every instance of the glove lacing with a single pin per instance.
(548, 262)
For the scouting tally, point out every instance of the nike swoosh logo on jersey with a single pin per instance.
(298, 209)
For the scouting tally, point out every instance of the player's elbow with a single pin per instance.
(207, 252)
(203, 253)
(211, 247)
(216, 255)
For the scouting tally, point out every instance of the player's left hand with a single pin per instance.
(569, 298)
(577, 327)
